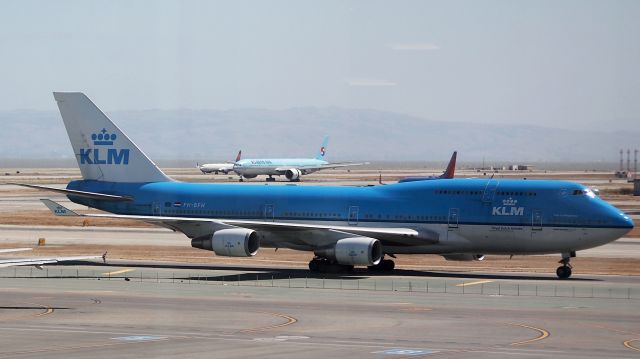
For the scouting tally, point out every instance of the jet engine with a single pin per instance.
(463, 257)
(233, 242)
(293, 174)
(354, 251)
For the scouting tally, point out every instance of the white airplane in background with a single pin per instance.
(219, 167)
(291, 168)
(38, 261)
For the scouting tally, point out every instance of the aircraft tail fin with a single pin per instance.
(103, 151)
(239, 156)
(451, 167)
(323, 149)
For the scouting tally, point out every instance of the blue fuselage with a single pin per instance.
(493, 211)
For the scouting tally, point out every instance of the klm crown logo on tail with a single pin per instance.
(113, 156)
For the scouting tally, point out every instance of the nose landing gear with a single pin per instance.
(564, 271)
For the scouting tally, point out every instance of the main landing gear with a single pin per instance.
(385, 265)
(270, 179)
(323, 265)
(564, 271)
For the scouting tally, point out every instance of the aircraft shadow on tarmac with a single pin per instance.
(293, 273)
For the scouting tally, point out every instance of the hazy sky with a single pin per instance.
(552, 63)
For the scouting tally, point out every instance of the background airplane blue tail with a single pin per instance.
(323, 149)
(103, 151)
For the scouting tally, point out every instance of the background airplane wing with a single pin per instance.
(307, 169)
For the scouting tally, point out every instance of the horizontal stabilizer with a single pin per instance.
(58, 209)
(71, 192)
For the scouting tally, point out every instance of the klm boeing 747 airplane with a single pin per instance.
(291, 168)
(459, 219)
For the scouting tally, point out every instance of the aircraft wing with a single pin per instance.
(194, 227)
(37, 261)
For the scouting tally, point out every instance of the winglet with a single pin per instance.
(58, 209)
(451, 167)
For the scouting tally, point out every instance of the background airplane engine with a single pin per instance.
(234, 242)
(293, 174)
(463, 257)
(354, 251)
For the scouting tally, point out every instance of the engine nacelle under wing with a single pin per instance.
(233, 242)
(463, 257)
(354, 251)
(293, 174)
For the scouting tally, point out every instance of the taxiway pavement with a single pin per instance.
(67, 317)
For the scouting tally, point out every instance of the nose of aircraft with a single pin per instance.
(626, 221)
(620, 219)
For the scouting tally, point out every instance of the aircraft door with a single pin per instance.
(268, 212)
(453, 218)
(353, 215)
(536, 220)
(156, 209)
(489, 191)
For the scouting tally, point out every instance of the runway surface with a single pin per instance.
(69, 317)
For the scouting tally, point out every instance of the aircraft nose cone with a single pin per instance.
(622, 220)
(628, 222)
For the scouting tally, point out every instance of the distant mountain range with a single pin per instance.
(210, 135)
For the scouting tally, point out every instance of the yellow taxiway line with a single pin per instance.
(473, 283)
(543, 334)
(289, 320)
(627, 343)
(119, 271)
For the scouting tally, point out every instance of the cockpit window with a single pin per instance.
(586, 192)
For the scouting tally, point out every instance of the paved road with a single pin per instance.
(61, 318)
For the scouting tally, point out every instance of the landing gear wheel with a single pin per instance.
(241, 179)
(385, 265)
(563, 272)
(322, 265)
(314, 266)
(271, 179)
